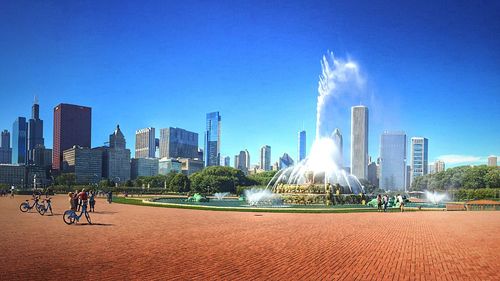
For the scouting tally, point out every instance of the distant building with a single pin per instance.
(5, 150)
(492, 161)
(72, 127)
(169, 165)
(84, 162)
(212, 139)
(393, 161)
(41, 156)
(227, 161)
(143, 167)
(116, 158)
(372, 174)
(243, 162)
(265, 158)
(359, 141)
(19, 141)
(13, 174)
(190, 166)
(176, 142)
(408, 177)
(339, 144)
(145, 143)
(35, 131)
(302, 146)
(236, 161)
(285, 161)
(439, 166)
(276, 166)
(419, 157)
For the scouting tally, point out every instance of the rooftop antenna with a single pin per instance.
(35, 101)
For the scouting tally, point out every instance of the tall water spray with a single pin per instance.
(339, 82)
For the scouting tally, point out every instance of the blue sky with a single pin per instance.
(432, 70)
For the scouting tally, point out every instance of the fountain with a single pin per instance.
(434, 197)
(220, 195)
(320, 175)
(261, 197)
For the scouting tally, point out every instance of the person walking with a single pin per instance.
(110, 197)
(386, 202)
(401, 203)
(12, 192)
(379, 203)
(92, 201)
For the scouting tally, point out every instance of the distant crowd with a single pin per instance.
(383, 202)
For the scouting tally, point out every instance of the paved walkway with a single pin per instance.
(148, 243)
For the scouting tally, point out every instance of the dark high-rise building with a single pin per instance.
(145, 143)
(5, 150)
(35, 131)
(176, 142)
(19, 141)
(72, 127)
(212, 139)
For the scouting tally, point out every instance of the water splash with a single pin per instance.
(434, 197)
(340, 81)
(257, 197)
(220, 195)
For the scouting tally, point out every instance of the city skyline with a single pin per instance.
(87, 68)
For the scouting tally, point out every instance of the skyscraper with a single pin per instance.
(359, 141)
(116, 158)
(265, 158)
(419, 157)
(227, 161)
(19, 141)
(35, 131)
(84, 162)
(5, 150)
(72, 127)
(176, 142)
(145, 143)
(339, 144)
(393, 161)
(285, 161)
(302, 146)
(212, 139)
(243, 161)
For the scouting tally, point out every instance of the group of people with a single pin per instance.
(78, 199)
(5, 193)
(383, 202)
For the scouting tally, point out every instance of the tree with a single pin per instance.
(179, 183)
(67, 179)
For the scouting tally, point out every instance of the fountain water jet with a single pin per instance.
(220, 195)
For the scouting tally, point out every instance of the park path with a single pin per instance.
(148, 243)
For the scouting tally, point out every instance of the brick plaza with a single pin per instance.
(149, 243)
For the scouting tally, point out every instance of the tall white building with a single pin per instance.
(359, 141)
(419, 157)
(302, 146)
(145, 143)
(337, 139)
(265, 158)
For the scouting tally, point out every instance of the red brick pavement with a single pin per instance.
(148, 243)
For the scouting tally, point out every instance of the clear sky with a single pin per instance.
(432, 68)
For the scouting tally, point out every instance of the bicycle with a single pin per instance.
(25, 206)
(44, 208)
(70, 216)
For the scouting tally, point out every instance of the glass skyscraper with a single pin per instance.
(302, 146)
(393, 161)
(177, 142)
(419, 157)
(265, 158)
(19, 141)
(212, 139)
